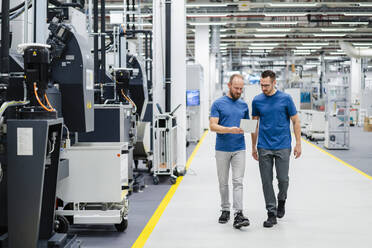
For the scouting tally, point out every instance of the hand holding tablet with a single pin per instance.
(249, 126)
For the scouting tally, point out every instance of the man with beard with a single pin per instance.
(226, 113)
(274, 109)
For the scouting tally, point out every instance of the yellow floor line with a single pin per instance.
(145, 234)
(339, 160)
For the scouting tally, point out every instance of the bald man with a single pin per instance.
(226, 113)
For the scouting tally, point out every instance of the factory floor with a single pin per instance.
(329, 204)
(360, 153)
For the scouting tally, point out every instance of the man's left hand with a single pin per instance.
(297, 151)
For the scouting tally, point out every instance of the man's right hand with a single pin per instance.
(235, 130)
(255, 154)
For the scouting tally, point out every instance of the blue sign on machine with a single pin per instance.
(192, 97)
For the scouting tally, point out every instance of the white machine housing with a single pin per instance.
(194, 81)
(98, 172)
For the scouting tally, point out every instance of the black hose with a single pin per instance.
(17, 7)
(55, 3)
(59, 4)
(14, 9)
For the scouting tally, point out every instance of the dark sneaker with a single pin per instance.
(240, 220)
(224, 218)
(271, 220)
(281, 209)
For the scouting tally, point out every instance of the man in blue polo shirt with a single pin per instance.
(226, 113)
(274, 109)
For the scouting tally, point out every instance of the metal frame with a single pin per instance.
(165, 147)
(337, 132)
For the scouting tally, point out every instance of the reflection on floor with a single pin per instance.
(329, 205)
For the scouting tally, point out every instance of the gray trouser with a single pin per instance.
(266, 160)
(237, 161)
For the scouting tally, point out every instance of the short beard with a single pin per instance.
(234, 97)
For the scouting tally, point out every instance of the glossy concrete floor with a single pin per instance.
(329, 205)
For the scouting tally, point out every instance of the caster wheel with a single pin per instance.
(173, 180)
(175, 172)
(182, 173)
(122, 226)
(61, 224)
(70, 218)
(155, 179)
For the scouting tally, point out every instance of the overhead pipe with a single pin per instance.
(133, 17)
(355, 52)
(128, 16)
(25, 23)
(103, 41)
(168, 78)
(95, 41)
(5, 40)
(146, 55)
(151, 58)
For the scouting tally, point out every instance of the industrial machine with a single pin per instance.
(194, 82)
(105, 154)
(34, 87)
(135, 87)
(129, 86)
(337, 131)
(115, 123)
(93, 192)
(165, 145)
(31, 134)
(90, 160)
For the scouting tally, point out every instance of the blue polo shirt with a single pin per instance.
(274, 112)
(229, 113)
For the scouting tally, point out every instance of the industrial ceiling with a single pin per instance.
(269, 29)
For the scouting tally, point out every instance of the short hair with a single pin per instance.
(235, 76)
(269, 73)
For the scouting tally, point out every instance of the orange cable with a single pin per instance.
(47, 100)
(38, 100)
(128, 99)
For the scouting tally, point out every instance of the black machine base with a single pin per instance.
(58, 240)
(36, 113)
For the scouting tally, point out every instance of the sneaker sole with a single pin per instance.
(223, 222)
(269, 225)
(244, 223)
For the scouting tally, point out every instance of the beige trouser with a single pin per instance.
(237, 162)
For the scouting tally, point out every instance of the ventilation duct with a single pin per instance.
(354, 52)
